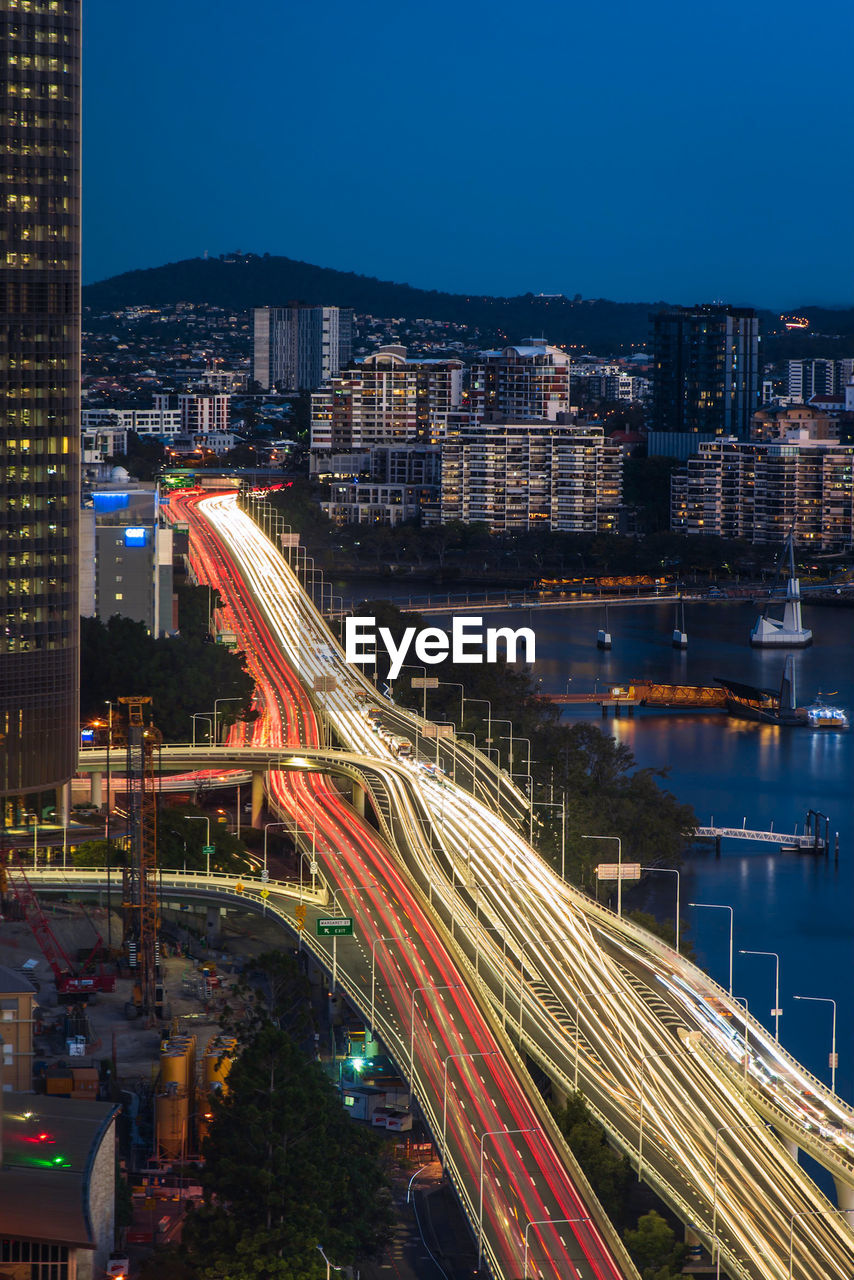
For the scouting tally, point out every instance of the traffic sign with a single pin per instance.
(265, 893)
(299, 912)
(238, 888)
(336, 927)
(617, 871)
(325, 684)
(208, 850)
(424, 682)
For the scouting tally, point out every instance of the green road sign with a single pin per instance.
(335, 927)
(208, 850)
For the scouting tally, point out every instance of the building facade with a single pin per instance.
(384, 399)
(160, 422)
(126, 556)
(531, 380)
(759, 491)
(524, 475)
(820, 377)
(395, 483)
(705, 376)
(40, 363)
(299, 348)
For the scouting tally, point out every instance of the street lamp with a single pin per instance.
(720, 1129)
(465, 734)
(662, 1053)
(217, 701)
(267, 826)
(833, 1059)
(201, 715)
(619, 869)
(197, 818)
(804, 1213)
(673, 872)
(716, 906)
(776, 1011)
(330, 1266)
(492, 1053)
(542, 1222)
(453, 684)
(490, 1133)
(446, 986)
(390, 937)
(553, 804)
(348, 889)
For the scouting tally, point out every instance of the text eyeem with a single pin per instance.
(469, 641)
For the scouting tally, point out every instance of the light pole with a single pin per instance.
(490, 1133)
(619, 869)
(553, 804)
(267, 826)
(579, 996)
(465, 734)
(542, 1222)
(446, 986)
(720, 1129)
(330, 1266)
(776, 1011)
(390, 937)
(507, 736)
(804, 1213)
(490, 1054)
(217, 701)
(201, 715)
(196, 818)
(673, 872)
(663, 1053)
(833, 1060)
(743, 1000)
(453, 684)
(716, 906)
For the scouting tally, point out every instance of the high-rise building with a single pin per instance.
(40, 363)
(298, 348)
(761, 490)
(384, 399)
(201, 412)
(819, 377)
(705, 376)
(524, 475)
(526, 381)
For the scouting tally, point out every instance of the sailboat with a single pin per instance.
(680, 635)
(603, 635)
(789, 631)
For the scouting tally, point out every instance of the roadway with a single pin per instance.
(706, 1147)
(502, 1145)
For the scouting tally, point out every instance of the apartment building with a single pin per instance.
(394, 483)
(383, 399)
(520, 475)
(200, 413)
(819, 377)
(531, 380)
(760, 490)
(160, 422)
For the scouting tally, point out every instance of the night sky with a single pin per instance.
(675, 151)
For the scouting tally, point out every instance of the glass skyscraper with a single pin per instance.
(39, 379)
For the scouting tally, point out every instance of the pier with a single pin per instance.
(815, 837)
(618, 698)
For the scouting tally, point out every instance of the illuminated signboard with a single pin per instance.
(136, 536)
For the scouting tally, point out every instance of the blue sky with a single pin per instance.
(673, 151)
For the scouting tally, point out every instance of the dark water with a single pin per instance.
(797, 905)
(729, 770)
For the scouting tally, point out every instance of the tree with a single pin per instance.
(654, 1248)
(285, 1171)
(609, 1173)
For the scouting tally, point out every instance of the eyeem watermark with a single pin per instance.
(469, 641)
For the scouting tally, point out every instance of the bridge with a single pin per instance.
(810, 840)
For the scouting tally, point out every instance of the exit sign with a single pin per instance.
(336, 927)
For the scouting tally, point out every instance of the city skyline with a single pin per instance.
(655, 165)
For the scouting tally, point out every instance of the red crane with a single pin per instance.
(68, 981)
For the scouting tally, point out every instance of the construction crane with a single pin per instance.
(70, 984)
(140, 915)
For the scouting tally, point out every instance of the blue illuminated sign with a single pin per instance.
(136, 536)
(87, 735)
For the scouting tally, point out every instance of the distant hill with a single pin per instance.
(241, 281)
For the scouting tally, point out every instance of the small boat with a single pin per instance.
(603, 635)
(680, 636)
(789, 631)
(821, 715)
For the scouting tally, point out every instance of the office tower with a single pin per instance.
(705, 376)
(526, 475)
(40, 363)
(384, 399)
(298, 348)
(526, 381)
(126, 555)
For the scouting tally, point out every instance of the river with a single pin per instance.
(796, 905)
